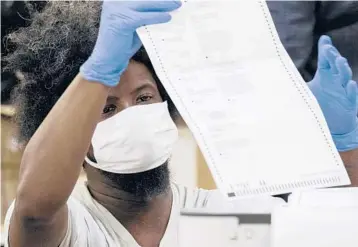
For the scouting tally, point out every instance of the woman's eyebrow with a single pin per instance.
(143, 86)
(112, 98)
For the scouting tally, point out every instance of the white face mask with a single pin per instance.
(135, 140)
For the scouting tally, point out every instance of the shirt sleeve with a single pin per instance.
(7, 224)
(83, 229)
(73, 236)
(81, 225)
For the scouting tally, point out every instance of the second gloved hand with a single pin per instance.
(337, 95)
(117, 39)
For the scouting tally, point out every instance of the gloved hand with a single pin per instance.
(337, 95)
(117, 39)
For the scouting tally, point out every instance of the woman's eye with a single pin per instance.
(144, 98)
(109, 109)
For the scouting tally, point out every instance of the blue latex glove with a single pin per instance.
(117, 39)
(337, 95)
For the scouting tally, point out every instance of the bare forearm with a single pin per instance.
(350, 160)
(53, 158)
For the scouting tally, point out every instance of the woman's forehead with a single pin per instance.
(135, 78)
(136, 69)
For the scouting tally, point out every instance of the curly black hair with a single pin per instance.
(49, 53)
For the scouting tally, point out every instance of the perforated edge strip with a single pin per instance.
(305, 97)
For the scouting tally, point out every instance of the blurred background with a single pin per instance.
(299, 23)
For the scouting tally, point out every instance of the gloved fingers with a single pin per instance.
(149, 18)
(331, 54)
(155, 6)
(322, 61)
(352, 92)
(344, 71)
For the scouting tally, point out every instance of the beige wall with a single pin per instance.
(183, 161)
(10, 160)
(204, 177)
(188, 165)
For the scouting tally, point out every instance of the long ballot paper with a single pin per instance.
(258, 126)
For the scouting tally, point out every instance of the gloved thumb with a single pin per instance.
(344, 70)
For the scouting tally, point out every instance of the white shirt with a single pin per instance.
(92, 225)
